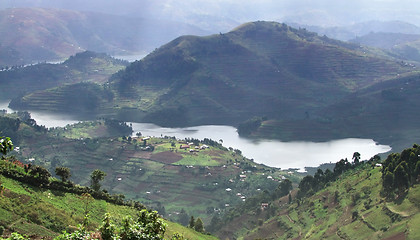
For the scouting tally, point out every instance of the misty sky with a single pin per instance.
(228, 13)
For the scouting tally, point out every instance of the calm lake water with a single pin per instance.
(45, 118)
(269, 152)
(272, 152)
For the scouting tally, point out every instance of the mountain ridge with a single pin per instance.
(38, 35)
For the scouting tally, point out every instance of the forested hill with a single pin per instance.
(258, 69)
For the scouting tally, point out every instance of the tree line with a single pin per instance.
(309, 185)
(400, 171)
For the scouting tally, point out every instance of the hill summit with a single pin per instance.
(258, 69)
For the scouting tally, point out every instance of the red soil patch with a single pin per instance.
(166, 157)
(399, 236)
(137, 154)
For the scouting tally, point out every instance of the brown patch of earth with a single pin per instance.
(399, 236)
(166, 157)
(139, 154)
(215, 153)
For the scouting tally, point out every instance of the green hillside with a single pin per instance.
(41, 213)
(258, 69)
(83, 67)
(384, 112)
(354, 206)
(157, 171)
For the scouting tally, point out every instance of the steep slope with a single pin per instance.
(384, 112)
(352, 207)
(38, 35)
(43, 213)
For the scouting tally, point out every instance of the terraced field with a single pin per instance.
(168, 178)
(352, 207)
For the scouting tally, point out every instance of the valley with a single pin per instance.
(266, 131)
(195, 81)
(159, 172)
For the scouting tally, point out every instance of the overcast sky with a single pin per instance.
(204, 12)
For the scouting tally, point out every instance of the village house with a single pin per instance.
(264, 206)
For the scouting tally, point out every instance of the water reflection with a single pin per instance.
(46, 119)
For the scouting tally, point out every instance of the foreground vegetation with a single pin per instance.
(38, 212)
(355, 203)
(37, 205)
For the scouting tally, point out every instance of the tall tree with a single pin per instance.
(284, 188)
(199, 226)
(63, 173)
(183, 217)
(40, 175)
(356, 158)
(401, 178)
(192, 222)
(96, 176)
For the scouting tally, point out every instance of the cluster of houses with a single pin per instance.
(192, 148)
(238, 194)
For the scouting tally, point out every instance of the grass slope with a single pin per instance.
(349, 208)
(40, 213)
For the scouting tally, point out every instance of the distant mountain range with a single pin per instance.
(37, 35)
(360, 29)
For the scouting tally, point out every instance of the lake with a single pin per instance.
(272, 153)
(45, 118)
